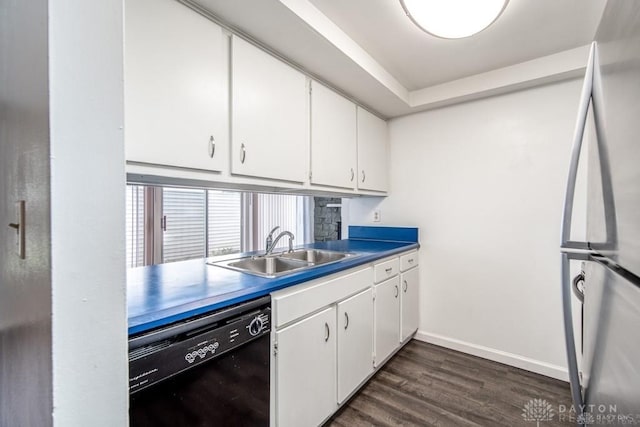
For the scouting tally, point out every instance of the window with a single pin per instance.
(135, 226)
(286, 211)
(190, 223)
(184, 224)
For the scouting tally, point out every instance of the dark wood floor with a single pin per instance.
(427, 385)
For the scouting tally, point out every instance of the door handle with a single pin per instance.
(327, 332)
(578, 134)
(397, 292)
(576, 288)
(405, 286)
(243, 153)
(346, 320)
(572, 358)
(20, 227)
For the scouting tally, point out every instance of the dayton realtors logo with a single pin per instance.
(540, 411)
(537, 410)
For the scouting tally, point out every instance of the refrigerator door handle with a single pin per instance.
(578, 133)
(570, 344)
(578, 283)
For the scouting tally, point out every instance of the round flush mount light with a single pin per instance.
(453, 19)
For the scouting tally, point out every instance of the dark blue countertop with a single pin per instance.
(161, 294)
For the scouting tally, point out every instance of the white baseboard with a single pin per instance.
(510, 359)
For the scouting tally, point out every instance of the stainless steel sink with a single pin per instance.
(269, 266)
(284, 263)
(316, 256)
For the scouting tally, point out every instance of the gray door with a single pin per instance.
(25, 281)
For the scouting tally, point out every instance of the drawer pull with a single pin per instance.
(410, 260)
(388, 270)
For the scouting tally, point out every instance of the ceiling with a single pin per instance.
(371, 52)
(527, 29)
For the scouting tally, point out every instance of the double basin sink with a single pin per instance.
(276, 265)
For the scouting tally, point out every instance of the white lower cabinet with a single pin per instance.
(306, 370)
(331, 334)
(387, 318)
(410, 280)
(355, 342)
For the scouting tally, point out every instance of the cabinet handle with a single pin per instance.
(363, 176)
(327, 332)
(397, 291)
(405, 286)
(212, 146)
(410, 261)
(346, 320)
(243, 153)
(352, 174)
(388, 270)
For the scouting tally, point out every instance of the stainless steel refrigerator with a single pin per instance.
(606, 390)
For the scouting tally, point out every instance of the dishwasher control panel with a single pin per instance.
(157, 361)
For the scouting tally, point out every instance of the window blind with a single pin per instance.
(135, 225)
(224, 222)
(184, 236)
(278, 209)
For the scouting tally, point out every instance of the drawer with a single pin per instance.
(408, 261)
(385, 270)
(298, 301)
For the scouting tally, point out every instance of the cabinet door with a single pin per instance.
(355, 342)
(373, 156)
(409, 308)
(387, 318)
(270, 116)
(306, 370)
(333, 139)
(175, 86)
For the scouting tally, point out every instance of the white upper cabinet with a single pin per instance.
(176, 86)
(269, 116)
(333, 139)
(373, 152)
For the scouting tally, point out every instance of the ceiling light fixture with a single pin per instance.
(453, 19)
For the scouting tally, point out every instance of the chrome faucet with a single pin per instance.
(269, 242)
(278, 237)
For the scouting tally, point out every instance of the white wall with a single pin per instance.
(90, 371)
(484, 181)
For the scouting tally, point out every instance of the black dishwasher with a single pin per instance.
(205, 371)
